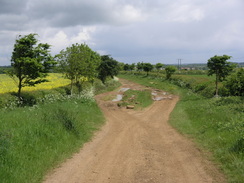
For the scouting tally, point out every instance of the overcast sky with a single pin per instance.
(129, 30)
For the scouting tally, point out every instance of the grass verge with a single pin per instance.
(33, 140)
(215, 124)
(139, 99)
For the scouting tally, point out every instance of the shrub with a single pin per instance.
(235, 83)
(169, 71)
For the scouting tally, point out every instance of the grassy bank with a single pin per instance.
(138, 99)
(35, 139)
(202, 84)
(215, 124)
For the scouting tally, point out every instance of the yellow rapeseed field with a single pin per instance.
(7, 84)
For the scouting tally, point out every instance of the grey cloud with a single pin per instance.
(130, 29)
(72, 13)
(12, 6)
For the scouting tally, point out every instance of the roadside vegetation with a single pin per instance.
(48, 129)
(46, 117)
(138, 99)
(215, 124)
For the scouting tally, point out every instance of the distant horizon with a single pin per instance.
(159, 62)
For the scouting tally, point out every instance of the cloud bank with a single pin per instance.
(130, 31)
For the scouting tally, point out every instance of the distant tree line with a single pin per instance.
(4, 69)
(224, 71)
(31, 62)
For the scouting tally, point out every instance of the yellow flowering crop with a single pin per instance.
(7, 84)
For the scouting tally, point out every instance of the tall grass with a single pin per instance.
(35, 139)
(32, 140)
(215, 124)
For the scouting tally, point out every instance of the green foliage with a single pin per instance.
(147, 67)
(30, 62)
(201, 84)
(235, 83)
(108, 86)
(132, 66)
(139, 99)
(139, 66)
(219, 66)
(169, 71)
(159, 66)
(33, 140)
(121, 66)
(4, 69)
(126, 67)
(79, 63)
(50, 131)
(108, 67)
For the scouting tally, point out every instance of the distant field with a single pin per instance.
(197, 78)
(7, 84)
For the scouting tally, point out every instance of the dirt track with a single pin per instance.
(137, 147)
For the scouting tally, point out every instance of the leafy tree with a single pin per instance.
(139, 66)
(158, 66)
(79, 63)
(30, 62)
(147, 67)
(219, 66)
(126, 67)
(132, 67)
(121, 66)
(169, 71)
(235, 83)
(108, 67)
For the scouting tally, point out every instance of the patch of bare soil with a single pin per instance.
(137, 147)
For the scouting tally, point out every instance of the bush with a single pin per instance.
(169, 71)
(235, 83)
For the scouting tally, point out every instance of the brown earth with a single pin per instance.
(136, 147)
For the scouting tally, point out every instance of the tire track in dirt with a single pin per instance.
(137, 147)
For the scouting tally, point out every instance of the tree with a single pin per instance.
(30, 62)
(108, 67)
(169, 71)
(139, 66)
(158, 66)
(219, 66)
(79, 63)
(126, 67)
(235, 83)
(147, 67)
(132, 67)
(121, 66)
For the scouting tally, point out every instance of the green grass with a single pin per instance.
(33, 140)
(215, 124)
(139, 99)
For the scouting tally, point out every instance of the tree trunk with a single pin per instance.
(71, 88)
(19, 89)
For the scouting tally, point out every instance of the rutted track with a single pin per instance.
(136, 147)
